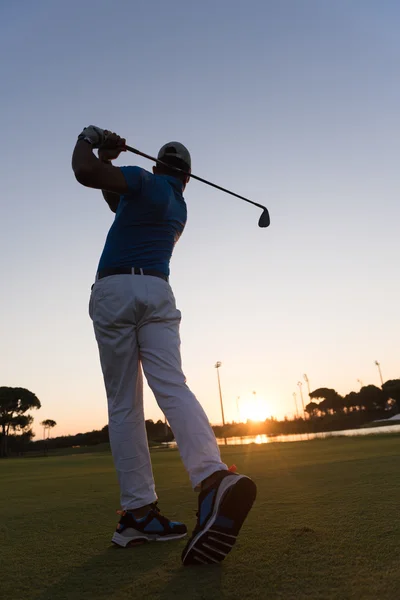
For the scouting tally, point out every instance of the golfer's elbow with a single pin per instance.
(83, 175)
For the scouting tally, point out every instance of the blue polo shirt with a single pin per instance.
(149, 221)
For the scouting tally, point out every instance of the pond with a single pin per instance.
(299, 437)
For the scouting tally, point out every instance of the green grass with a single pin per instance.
(325, 526)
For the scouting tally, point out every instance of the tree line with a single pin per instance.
(327, 409)
(369, 398)
(16, 434)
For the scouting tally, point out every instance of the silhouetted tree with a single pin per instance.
(14, 403)
(331, 401)
(158, 432)
(392, 388)
(312, 409)
(352, 402)
(47, 424)
(20, 443)
(372, 398)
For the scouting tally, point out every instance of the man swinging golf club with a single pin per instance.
(136, 324)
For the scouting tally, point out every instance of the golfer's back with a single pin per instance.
(148, 222)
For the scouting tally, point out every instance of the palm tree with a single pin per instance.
(47, 424)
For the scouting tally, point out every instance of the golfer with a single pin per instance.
(136, 325)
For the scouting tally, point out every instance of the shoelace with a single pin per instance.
(154, 506)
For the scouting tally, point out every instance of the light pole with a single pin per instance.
(299, 383)
(378, 364)
(307, 382)
(361, 383)
(295, 403)
(217, 366)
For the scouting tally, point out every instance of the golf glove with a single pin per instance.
(94, 135)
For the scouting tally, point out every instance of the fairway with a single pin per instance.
(325, 525)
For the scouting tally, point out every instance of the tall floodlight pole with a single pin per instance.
(307, 382)
(378, 364)
(361, 383)
(295, 403)
(217, 366)
(299, 383)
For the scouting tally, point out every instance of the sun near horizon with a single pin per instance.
(254, 408)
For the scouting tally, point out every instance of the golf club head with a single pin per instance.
(264, 220)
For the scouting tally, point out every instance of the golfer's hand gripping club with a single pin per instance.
(94, 135)
(109, 144)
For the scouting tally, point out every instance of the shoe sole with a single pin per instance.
(211, 545)
(139, 539)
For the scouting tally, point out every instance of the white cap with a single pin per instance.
(176, 150)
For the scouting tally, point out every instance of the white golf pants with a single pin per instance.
(136, 324)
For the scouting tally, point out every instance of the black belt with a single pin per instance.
(130, 271)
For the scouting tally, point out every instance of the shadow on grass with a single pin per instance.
(145, 572)
(103, 575)
(196, 583)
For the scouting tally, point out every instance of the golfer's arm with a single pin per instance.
(91, 172)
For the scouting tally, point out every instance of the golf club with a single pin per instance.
(264, 220)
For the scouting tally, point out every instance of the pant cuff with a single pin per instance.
(135, 504)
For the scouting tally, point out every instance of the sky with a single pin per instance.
(291, 103)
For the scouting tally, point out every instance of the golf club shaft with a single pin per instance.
(218, 187)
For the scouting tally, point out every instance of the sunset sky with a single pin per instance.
(292, 103)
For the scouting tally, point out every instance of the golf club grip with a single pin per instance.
(214, 185)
